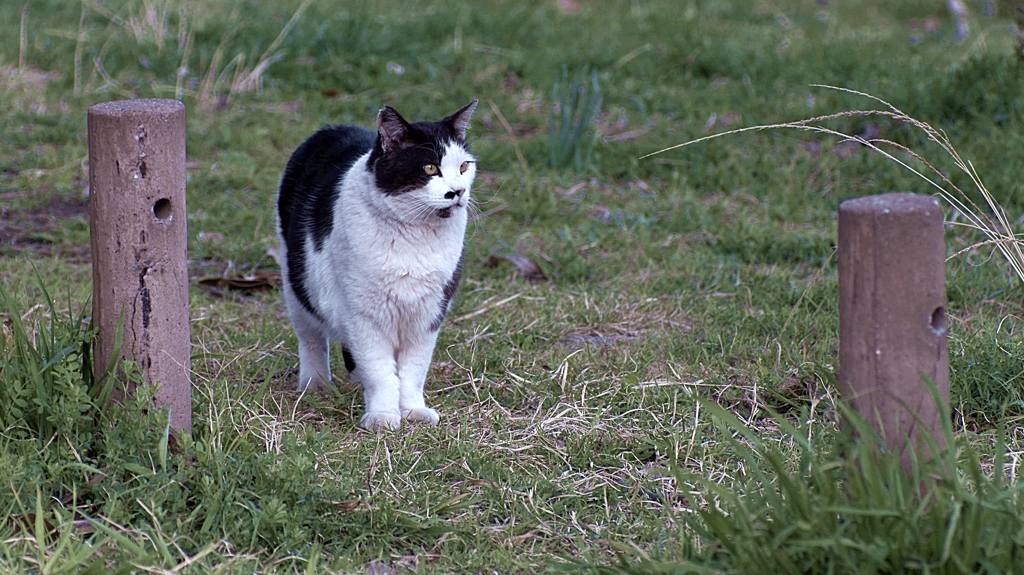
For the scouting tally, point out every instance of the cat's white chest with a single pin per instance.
(402, 267)
(410, 281)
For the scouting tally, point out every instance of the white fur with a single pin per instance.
(379, 282)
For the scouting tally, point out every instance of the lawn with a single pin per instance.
(637, 344)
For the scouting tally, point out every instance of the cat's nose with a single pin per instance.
(452, 194)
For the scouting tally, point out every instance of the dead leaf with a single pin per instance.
(850, 148)
(929, 23)
(98, 478)
(511, 83)
(846, 150)
(626, 136)
(351, 505)
(710, 123)
(575, 188)
(379, 568)
(729, 119)
(274, 251)
(570, 6)
(724, 122)
(212, 237)
(262, 280)
(475, 217)
(813, 148)
(528, 268)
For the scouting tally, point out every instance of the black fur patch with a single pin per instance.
(309, 191)
(350, 364)
(448, 294)
(400, 169)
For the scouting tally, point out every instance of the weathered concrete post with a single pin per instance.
(892, 315)
(139, 241)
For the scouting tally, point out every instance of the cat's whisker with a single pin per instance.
(422, 213)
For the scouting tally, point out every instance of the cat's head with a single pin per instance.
(423, 169)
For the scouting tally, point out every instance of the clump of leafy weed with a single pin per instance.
(571, 123)
(48, 387)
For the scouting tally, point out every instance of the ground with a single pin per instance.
(610, 306)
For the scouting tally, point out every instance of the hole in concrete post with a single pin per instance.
(162, 209)
(938, 320)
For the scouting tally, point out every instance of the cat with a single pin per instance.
(372, 228)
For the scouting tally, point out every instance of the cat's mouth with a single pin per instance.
(446, 212)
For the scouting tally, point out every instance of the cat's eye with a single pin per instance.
(463, 167)
(430, 169)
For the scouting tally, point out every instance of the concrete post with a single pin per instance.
(892, 315)
(139, 241)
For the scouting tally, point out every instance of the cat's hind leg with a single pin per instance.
(413, 364)
(350, 365)
(314, 356)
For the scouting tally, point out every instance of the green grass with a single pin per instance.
(814, 503)
(569, 406)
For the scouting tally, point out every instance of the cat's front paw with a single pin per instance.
(315, 387)
(313, 383)
(422, 414)
(381, 420)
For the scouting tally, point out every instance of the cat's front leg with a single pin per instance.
(375, 368)
(413, 364)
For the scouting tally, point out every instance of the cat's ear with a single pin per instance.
(392, 128)
(460, 119)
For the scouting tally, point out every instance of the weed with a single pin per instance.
(48, 390)
(571, 124)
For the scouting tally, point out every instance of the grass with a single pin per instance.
(573, 408)
(840, 505)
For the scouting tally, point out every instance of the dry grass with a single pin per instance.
(171, 25)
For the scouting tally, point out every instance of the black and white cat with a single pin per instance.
(372, 228)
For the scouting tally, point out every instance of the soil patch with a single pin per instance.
(39, 231)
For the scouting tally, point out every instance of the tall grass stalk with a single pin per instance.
(515, 144)
(182, 71)
(79, 46)
(23, 41)
(995, 227)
